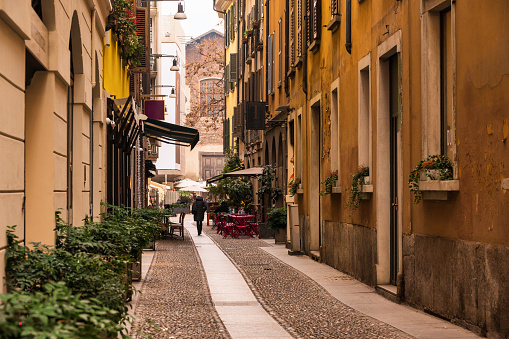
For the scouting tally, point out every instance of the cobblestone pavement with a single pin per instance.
(299, 304)
(175, 300)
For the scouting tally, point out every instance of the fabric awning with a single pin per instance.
(248, 172)
(171, 133)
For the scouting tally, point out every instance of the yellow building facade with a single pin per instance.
(53, 114)
(370, 89)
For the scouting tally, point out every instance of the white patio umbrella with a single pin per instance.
(193, 188)
(187, 182)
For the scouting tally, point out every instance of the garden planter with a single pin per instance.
(265, 231)
(135, 269)
(280, 236)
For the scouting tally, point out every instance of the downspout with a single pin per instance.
(93, 83)
(266, 54)
(348, 43)
(304, 54)
(224, 77)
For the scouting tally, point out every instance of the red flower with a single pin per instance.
(20, 323)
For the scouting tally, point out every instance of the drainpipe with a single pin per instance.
(222, 12)
(93, 83)
(348, 43)
(305, 55)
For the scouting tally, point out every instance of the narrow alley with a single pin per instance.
(210, 287)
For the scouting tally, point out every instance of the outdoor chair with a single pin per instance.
(178, 226)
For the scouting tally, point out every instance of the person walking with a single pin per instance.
(199, 208)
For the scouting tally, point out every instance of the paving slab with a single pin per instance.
(236, 305)
(364, 299)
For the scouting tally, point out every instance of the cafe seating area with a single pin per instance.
(236, 225)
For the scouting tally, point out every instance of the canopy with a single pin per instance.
(248, 172)
(171, 133)
(193, 188)
(189, 182)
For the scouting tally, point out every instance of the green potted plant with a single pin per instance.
(329, 183)
(293, 185)
(434, 167)
(277, 222)
(358, 179)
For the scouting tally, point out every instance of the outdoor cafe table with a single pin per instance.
(244, 223)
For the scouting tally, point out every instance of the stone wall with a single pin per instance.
(464, 281)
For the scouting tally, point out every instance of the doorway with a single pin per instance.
(315, 148)
(389, 180)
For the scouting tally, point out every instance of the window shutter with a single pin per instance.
(233, 67)
(226, 29)
(334, 8)
(280, 52)
(299, 28)
(309, 20)
(317, 19)
(292, 33)
(269, 64)
(273, 61)
(143, 32)
(227, 79)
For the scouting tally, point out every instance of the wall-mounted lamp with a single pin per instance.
(172, 94)
(175, 67)
(180, 15)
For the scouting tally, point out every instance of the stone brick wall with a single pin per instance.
(350, 249)
(464, 281)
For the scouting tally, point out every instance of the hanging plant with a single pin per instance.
(355, 191)
(130, 45)
(443, 171)
(294, 186)
(329, 183)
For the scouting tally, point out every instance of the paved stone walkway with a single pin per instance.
(301, 306)
(182, 296)
(175, 301)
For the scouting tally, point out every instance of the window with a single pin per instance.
(438, 107)
(445, 82)
(335, 127)
(364, 124)
(313, 23)
(210, 97)
(269, 64)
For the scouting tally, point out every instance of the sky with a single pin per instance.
(200, 17)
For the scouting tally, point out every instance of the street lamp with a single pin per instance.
(180, 15)
(174, 67)
(172, 93)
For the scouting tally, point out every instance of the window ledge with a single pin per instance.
(367, 188)
(505, 184)
(440, 190)
(290, 198)
(298, 62)
(315, 45)
(439, 185)
(334, 23)
(336, 189)
(300, 191)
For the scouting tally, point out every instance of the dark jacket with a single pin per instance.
(199, 208)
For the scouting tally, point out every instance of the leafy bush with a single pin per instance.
(90, 275)
(277, 218)
(55, 311)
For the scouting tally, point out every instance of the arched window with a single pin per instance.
(211, 101)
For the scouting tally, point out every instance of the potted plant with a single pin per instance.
(434, 167)
(248, 32)
(293, 185)
(255, 23)
(277, 222)
(329, 183)
(358, 179)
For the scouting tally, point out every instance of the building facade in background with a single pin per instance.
(371, 89)
(205, 85)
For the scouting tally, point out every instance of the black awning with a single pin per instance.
(171, 133)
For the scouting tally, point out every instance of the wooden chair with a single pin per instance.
(178, 226)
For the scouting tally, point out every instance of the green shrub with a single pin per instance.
(277, 218)
(55, 311)
(87, 274)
